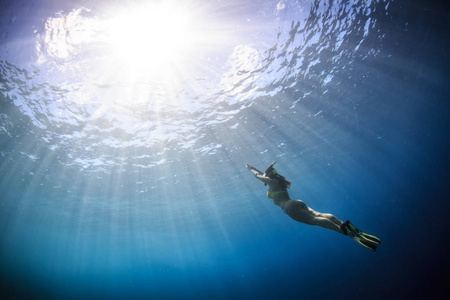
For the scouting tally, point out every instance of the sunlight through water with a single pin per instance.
(152, 36)
(166, 76)
(139, 52)
(125, 127)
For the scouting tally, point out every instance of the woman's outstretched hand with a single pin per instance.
(261, 176)
(254, 170)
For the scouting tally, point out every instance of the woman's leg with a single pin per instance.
(300, 212)
(320, 217)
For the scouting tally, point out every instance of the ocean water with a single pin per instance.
(125, 127)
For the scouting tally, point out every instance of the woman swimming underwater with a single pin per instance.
(299, 211)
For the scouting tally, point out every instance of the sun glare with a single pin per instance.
(159, 47)
(151, 36)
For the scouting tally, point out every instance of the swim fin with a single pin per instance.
(359, 236)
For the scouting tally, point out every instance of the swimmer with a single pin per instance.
(300, 212)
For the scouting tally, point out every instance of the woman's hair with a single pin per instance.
(284, 183)
(273, 174)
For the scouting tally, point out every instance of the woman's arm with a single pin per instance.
(260, 175)
(254, 170)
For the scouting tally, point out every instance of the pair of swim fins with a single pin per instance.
(359, 236)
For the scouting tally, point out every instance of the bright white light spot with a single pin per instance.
(151, 36)
(134, 54)
(281, 5)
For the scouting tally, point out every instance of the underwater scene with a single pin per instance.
(126, 127)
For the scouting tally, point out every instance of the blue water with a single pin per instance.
(122, 175)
